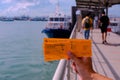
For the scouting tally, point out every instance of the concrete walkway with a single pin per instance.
(106, 57)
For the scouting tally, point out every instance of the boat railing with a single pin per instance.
(64, 70)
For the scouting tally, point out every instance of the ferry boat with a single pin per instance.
(115, 26)
(58, 25)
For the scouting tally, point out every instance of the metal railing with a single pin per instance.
(63, 71)
(60, 71)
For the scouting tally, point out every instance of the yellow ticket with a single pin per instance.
(56, 49)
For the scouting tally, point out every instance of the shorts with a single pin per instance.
(103, 29)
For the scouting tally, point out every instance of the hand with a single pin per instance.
(83, 66)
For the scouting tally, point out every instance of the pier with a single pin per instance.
(105, 59)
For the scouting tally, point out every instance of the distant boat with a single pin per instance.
(58, 25)
(38, 19)
(35, 19)
(21, 18)
(6, 19)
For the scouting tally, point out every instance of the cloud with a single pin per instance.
(21, 6)
(53, 1)
(6, 1)
(114, 10)
(32, 7)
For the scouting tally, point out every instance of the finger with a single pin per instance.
(72, 56)
(74, 67)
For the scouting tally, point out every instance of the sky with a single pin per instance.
(114, 10)
(41, 7)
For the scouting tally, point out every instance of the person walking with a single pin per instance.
(86, 25)
(104, 22)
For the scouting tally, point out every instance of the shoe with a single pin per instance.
(103, 42)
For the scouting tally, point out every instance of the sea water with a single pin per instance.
(21, 53)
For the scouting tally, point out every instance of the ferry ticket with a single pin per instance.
(57, 48)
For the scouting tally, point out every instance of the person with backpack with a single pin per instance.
(104, 22)
(86, 25)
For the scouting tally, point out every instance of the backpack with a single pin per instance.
(87, 23)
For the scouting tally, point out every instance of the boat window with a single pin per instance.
(61, 19)
(56, 19)
(113, 24)
(51, 19)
